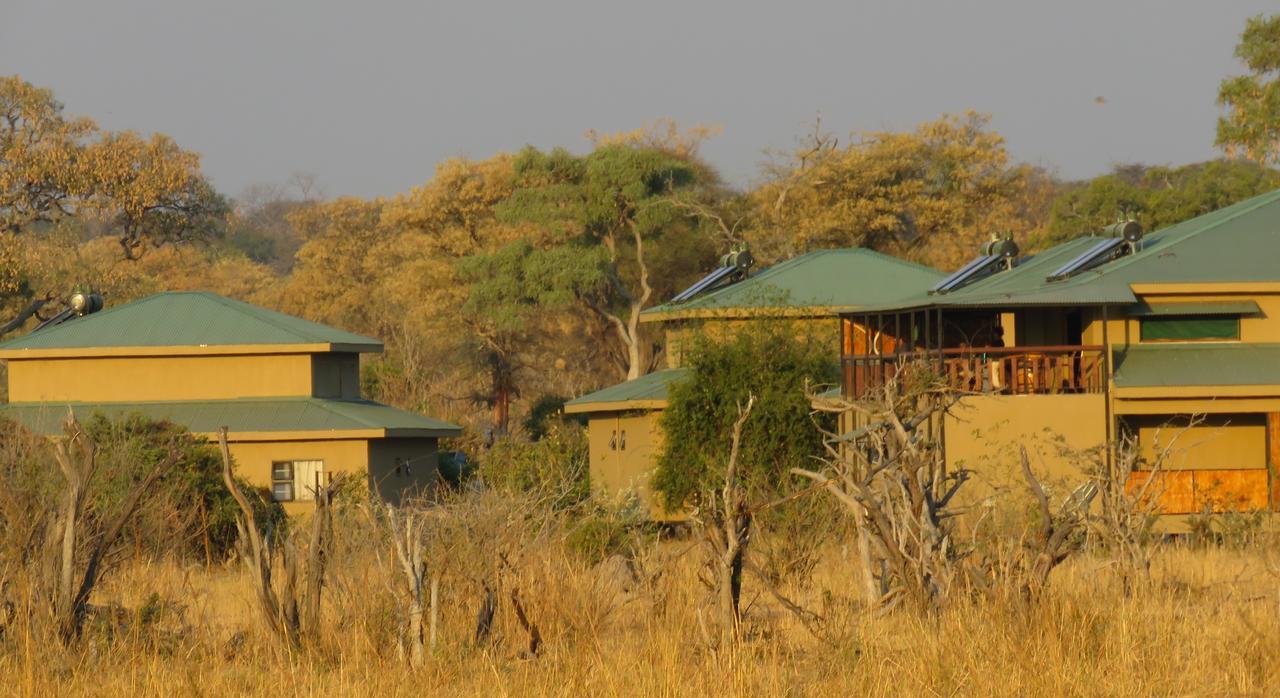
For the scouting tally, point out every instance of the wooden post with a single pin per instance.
(1273, 459)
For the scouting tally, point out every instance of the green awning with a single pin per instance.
(1241, 307)
(1205, 363)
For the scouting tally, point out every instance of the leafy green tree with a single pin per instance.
(1156, 196)
(609, 210)
(768, 360)
(1251, 126)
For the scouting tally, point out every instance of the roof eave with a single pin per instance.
(615, 406)
(188, 350)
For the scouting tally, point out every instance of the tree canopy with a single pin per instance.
(932, 194)
(611, 217)
(1251, 126)
(1157, 196)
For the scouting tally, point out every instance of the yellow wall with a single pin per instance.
(984, 432)
(619, 470)
(140, 379)
(1219, 442)
(254, 458)
(415, 480)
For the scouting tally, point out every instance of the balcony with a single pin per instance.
(1048, 370)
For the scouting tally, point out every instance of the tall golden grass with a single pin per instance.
(1208, 623)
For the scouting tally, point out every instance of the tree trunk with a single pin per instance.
(484, 619)
(435, 611)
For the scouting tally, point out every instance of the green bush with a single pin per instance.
(554, 466)
(190, 512)
(769, 360)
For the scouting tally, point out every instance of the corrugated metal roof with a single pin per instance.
(1198, 364)
(245, 415)
(651, 388)
(1233, 244)
(186, 319)
(1243, 307)
(840, 278)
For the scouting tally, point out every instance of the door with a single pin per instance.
(638, 450)
(602, 447)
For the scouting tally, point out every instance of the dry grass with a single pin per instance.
(1206, 626)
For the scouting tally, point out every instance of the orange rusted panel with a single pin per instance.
(1194, 491)
(1173, 490)
(1232, 490)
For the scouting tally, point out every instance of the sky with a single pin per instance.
(368, 96)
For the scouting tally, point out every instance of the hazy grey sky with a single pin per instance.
(368, 96)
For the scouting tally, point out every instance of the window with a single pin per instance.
(1189, 328)
(282, 481)
(296, 481)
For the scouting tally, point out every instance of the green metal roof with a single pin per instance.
(1243, 307)
(646, 390)
(826, 279)
(1233, 244)
(304, 414)
(1197, 363)
(187, 319)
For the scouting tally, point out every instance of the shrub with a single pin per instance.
(554, 466)
(769, 360)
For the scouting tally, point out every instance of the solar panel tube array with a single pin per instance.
(1101, 252)
(706, 282)
(967, 273)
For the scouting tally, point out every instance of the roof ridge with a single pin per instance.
(892, 258)
(256, 312)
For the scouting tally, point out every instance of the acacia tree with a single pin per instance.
(608, 211)
(1251, 126)
(54, 167)
(932, 193)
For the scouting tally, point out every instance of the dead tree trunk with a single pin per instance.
(77, 458)
(258, 556)
(289, 615)
(1057, 536)
(891, 476)
(406, 536)
(727, 527)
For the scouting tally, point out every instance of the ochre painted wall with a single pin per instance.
(254, 458)
(415, 480)
(984, 432)
(140, 379)
(1218, 442)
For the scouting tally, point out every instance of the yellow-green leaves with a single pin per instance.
(1251, 127)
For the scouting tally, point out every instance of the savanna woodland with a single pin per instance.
(132, 563)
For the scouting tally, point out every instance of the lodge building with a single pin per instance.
(287, 389)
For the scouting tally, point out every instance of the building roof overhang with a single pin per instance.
(19, 354)
(249, 419)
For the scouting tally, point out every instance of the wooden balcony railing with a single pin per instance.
(989, 370)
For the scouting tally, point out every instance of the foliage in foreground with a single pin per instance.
(772, 361)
